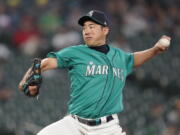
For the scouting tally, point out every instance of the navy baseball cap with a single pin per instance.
(96, 16)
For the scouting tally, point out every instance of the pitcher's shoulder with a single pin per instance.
(78, 46)
(115, 48)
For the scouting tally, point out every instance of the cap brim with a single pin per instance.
(83, 19)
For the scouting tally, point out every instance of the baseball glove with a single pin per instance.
(34, 79)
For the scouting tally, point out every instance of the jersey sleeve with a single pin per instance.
(63, 57)
(129, 60)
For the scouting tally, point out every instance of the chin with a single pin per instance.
(90, 44)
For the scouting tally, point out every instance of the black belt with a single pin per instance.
(94, 122)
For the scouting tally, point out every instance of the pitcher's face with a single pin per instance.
(94, 34)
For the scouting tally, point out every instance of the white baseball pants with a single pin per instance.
(70, 126)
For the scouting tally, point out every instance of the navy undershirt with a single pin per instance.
(102, 48)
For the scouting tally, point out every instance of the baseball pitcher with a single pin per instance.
(98, 74)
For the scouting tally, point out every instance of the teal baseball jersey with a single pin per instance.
(97, 79)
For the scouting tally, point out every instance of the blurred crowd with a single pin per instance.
(37, 26)
(34, 27)
(163, 119)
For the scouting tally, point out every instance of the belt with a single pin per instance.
(94, 122)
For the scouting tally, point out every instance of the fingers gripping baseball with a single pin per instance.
(163, 43)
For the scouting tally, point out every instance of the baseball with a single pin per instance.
(164, 42)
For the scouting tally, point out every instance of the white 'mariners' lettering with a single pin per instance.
(98, 70)
(93, 69)
(90, 70)
(105, 69)
(115, 72)
(120, 74)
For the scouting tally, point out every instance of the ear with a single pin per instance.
(106, 30)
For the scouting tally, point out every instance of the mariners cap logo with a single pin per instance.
(90, 13)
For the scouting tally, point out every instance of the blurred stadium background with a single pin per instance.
(32, 28)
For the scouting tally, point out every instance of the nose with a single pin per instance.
(86, 31)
